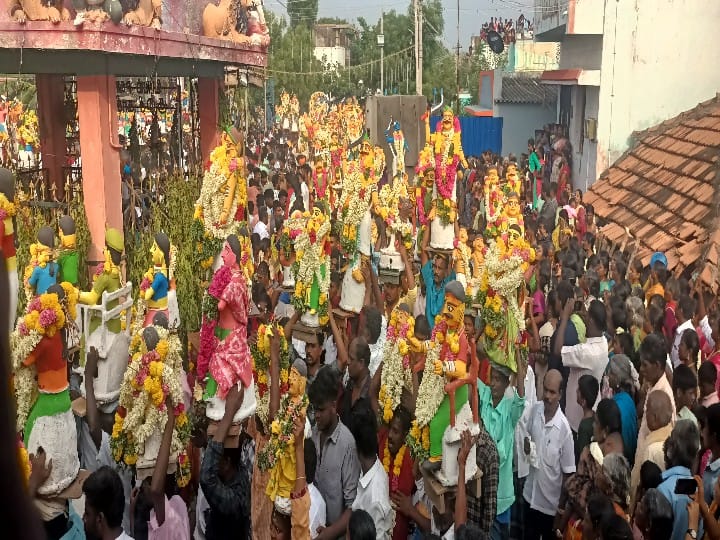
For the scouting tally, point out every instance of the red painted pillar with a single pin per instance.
(97, 114)
(51, 117)
(209, 111)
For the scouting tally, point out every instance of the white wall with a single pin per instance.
(330, 55)
(520, 122)
(581, 52)
(659, 59)
(584, 150)
(587, 17)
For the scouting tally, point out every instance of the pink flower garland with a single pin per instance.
(208, 341)
(445, 179)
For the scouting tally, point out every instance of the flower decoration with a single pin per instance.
(210, 314)
(396, 372)
(261, 366)
(281, 431)
(7, 208)
(150, 379)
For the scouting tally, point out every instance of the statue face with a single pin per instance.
(513, 206)
(158, 257)
(478, 243)
(447, 119)
(454, 311)
(493, 175)
(463, 235)
(228, 255)
(429, 178)
(296, 383)
(512, 168)
(513, 236)
(512, 177)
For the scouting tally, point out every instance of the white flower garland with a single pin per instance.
(313, 258)
(431, 391)
(505, 276)
(211, 201)
(24, 377)
(392, 378)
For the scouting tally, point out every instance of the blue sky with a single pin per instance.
(472, 13)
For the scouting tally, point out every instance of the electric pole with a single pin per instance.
(457, 63)
(418, 48)
(381, 44)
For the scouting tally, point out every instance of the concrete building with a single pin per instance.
(625, 65)
(332, 44)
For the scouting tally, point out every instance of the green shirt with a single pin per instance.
(500, 423)
(109, 283)
(534, 164)
(69, 262)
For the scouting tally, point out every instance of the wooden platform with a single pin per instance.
(305, 333)
(232, 439)
(438, 493)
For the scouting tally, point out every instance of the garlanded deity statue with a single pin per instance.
(447, 149)
(224, 355)
(360, 195)
(278, 456)
(461, 256)
(97, 11)
(398, 146)
(68, 258)
(42, 272)
(35, 10)
(321, 177)
(513, 184)
(511, 215)
(152, 381)
(7, 238)
(392, 198)
(312, 272)
(239, 21)
(477, 261)
(282, 111)
(223, 196)
(493, 196)
(294, 113)
(424, 190)
(396, 371)
(501, 295)
(447, 361)
(40, 378)
(157, 287)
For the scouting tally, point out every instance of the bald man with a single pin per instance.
(659, 414)
(551, 453)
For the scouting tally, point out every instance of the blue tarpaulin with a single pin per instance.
(479, 133)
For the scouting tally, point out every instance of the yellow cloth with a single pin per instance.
(652, 291)
(282, 476)
(409, 298)
(300, 517)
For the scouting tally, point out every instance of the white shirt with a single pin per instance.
(555, 457)
(262, 230)
(674, 355)
(317, 510)
(591, 358)
(201, 506)
(330, 350)
(521, 429)
(373, 496)
(376, 349)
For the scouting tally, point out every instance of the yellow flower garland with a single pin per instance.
(397, 464)
(7, 206)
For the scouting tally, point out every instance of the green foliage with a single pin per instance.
(82, 238)
(302, 12)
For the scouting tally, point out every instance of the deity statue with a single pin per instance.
(512, 179)
(360, 195)
(35, 10)
(398, 146)
(157, 287)
(40, 378)
(282, 111)
(433, 434)
(225, 351)
(312, 275)
(239, 21)
(7, 238)
(447, 148)
(104, 332)
(425, 184)
(493, 196)
(42, 272)
(68, 258)
(321, 177)
(512, 215)
(279, 454)
(461, 256)
(477, 260)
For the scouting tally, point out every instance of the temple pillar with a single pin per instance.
(51, 119)
(97, 115)
(209, 112)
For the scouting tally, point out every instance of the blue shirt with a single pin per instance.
(710, 478)
(628, 416)
(160, 286)
(41, 278)
(434, 295)
(678, 502)
(500, 423)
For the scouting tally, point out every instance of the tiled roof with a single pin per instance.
(666, 190)
(526, 90)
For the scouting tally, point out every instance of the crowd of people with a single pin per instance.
(610, 429)
(508, 29)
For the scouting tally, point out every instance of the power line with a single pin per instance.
(343, 68)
